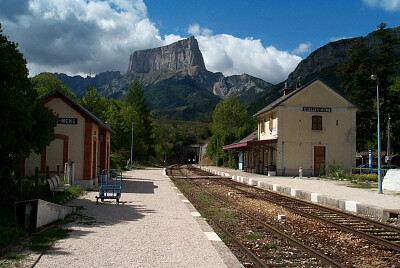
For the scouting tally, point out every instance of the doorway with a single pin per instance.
(319, 160)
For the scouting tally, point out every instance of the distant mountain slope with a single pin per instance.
(77, 84)
(175, 81)
(321, 63)
(324, 60)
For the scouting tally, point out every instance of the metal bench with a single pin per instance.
(110, 185)
(55, 185)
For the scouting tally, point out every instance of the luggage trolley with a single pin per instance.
(111, 184)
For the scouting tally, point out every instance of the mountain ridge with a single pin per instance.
(182, 63)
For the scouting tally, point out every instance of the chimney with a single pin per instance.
(286, 90)
(298, 84)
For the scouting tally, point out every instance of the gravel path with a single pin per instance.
(151, 228)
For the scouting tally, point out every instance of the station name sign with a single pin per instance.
(317, 109)
(67, 121)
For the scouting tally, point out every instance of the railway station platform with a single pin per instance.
(340, 194)
(153, 226)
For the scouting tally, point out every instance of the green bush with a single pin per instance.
(117, 160)
(334, 169)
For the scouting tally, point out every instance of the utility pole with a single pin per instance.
(389, 154)
(217, 151)
(375, 77)
(133, 123)
(165, 152)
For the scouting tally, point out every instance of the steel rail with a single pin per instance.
(330, 210)
(253, 257)
(240, 245)
(297, 243)
(340, 226)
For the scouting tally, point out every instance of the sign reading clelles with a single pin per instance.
(317, 109)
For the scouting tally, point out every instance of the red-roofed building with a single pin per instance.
(82, 141)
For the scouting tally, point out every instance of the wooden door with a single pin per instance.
(94, 162)
(319, 160)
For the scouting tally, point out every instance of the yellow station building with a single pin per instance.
(306, 128)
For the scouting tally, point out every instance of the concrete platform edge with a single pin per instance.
(347, 205)
(226, 254)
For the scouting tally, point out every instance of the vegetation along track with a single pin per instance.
(319, 229)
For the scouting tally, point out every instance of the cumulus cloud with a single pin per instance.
(79, 36)
(74, 36)
(231, 55)
(302, 48)
(334, 39)
(389, 5)
(195, 30)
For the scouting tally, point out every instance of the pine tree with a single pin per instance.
(143, 130)
(357, 84)
(385, 63)
(93, 102)
(394, 104)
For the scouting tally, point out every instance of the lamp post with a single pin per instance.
(217, 153)
(388, 155)
(165, 152)
(133, 123)
(375, 77)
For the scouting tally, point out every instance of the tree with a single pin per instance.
(357, 84)
(46, 82)
(385, 62)
(231, 123)
(394, 104)
(140, 114)
(26, 123)
(93, 102)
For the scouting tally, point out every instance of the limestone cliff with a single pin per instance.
(176, 56)
(182, 59)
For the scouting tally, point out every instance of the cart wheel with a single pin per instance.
(117, 201)
(97, 200)
(102, 200)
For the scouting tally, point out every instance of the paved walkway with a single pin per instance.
(341, 194)
(154, 226)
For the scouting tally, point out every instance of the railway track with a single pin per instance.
(312, 253)
(384, 235)
(300, 251)
(374, 231)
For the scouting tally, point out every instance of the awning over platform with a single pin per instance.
(252, 143)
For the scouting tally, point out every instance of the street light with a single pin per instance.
(133, 123)
(375, 77)
(165, 152)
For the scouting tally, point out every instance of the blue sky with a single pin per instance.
(266, 38)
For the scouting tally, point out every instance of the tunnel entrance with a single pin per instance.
(192, 158)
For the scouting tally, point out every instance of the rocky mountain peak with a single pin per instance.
(176, 56)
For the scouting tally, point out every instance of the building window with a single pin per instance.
(316, 122)
(262, 125)
(271, 123)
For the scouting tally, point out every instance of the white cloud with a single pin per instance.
(334, 39)
(194, 29)
(389, 5)
(302, 48)
(76, 36)
(231, 55)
